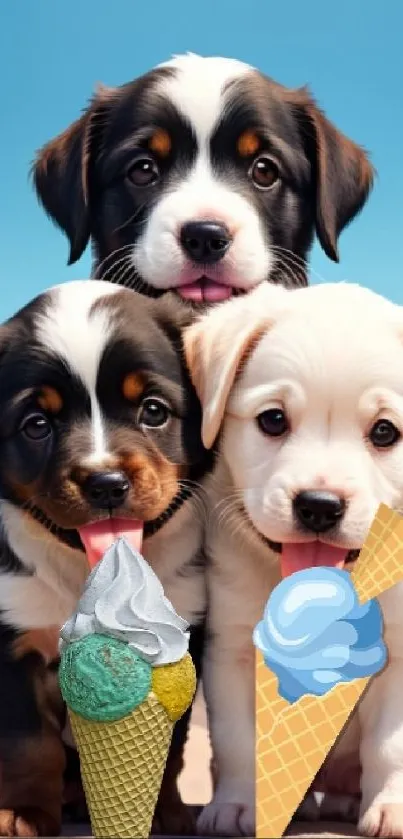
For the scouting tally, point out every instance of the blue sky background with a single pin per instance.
(53, 53)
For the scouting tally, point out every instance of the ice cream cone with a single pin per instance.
(122, 764)
(292, 741)
(291, 754)
(123, 760)
(126, 677)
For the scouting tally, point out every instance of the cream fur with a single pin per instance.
(332, 358)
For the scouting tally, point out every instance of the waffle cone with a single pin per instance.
(122, 764)
(292, 741)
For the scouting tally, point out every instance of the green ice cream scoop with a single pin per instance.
(103, 679)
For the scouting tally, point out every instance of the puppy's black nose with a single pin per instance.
(318, 511)
(106, 490)
(205, 241)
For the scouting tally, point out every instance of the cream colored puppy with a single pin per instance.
(309, 387)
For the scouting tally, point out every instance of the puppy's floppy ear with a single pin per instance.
(217, 345)
(62, 169)
(343, 173)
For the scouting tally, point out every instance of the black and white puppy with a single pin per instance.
(99, 422)
(203, 176)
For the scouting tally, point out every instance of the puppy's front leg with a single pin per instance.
(229, 679)
(172, 816)
(239, 581)
(381, 752)
(32, 756)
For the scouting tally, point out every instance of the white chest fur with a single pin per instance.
(48, 593)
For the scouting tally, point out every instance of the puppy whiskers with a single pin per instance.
(300, 264)
(231, 508)
(131, 219)
(293, 276)
(198, 497)
(130, 279)
(241, 526)
(102, 269)
(121, 264)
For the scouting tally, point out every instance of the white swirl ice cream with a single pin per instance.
(123, 598)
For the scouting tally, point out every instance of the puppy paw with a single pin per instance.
(227, 819)
(340, 808)
(27, 822)
(175, 819)
(383, 820)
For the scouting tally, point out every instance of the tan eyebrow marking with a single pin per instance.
(248, 143)
(133, 386)
(160, 142)
(50, 400)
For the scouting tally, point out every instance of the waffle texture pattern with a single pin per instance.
(293, 741)
(122, 764)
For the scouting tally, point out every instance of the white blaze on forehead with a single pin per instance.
(69, 329)
(197, 88)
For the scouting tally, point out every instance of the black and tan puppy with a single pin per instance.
(202, 176)
(98, 421)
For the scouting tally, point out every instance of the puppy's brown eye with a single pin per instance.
(264, 172)
(144, 172)
(36, 427)
(153, 413)
(273, 422)
(384, 434)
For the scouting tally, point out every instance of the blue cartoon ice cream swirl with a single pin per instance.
(315, 633)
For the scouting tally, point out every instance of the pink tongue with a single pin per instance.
(296, 557)
(100, 535)
(205, 290)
